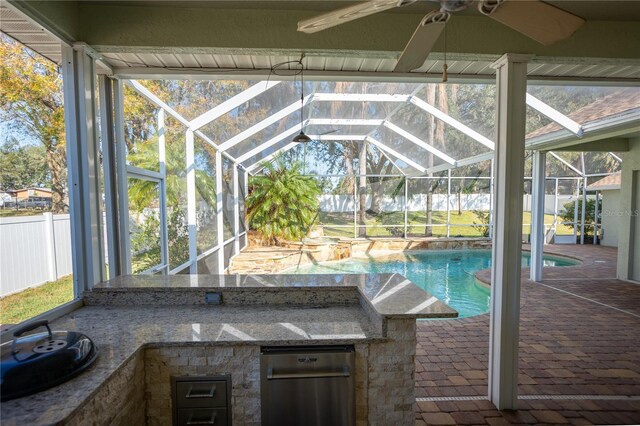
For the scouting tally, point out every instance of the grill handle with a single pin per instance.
(28, 327)
(210, 421)
(209, 394)
(271, 375)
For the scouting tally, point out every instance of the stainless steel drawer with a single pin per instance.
(308, 386)
(201, 394)
(202, 417)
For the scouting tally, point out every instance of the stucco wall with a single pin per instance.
(628, 246)
(610, 217)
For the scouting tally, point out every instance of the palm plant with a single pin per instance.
(283, 203)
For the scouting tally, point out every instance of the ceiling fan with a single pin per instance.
(535, 19)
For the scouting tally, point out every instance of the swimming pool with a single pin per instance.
(447, 274)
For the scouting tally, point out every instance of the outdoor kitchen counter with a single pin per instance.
(129, 315)
(387, 295)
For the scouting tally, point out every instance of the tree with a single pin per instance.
(31, 100)
(282, 203)
(569, 214)
(22, 166)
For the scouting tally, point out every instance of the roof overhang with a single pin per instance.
(240, 40)
(614, 129)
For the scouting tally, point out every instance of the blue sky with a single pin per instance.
(7, 132)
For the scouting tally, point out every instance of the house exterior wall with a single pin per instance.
(610, 218)
(628, 246)
(32, 192)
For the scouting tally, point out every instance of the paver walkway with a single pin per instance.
(579, 352)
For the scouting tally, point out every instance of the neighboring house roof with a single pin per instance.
(610, 106)
(33, 187)
(610, 182)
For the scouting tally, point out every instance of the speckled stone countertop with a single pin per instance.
(390, 295)
(128, 314)
(121, 331)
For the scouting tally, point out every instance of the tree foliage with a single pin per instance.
(31, 101)
(569, 214)
(282, 203)
(22, 166)
(482, 222)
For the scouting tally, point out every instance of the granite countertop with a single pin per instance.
(130, 313)
(390, 295)
(121, 331)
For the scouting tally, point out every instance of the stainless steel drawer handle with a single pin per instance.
(201, 394)
(210, 421)
(271, 375)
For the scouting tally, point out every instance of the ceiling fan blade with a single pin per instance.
(346, 14)
(540, 21)
(422, 41)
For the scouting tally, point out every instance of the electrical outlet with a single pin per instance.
(213, 298)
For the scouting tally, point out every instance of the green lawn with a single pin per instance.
(34, 301)
(383, 227)
(12, 212)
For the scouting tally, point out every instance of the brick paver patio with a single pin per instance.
(579, 352)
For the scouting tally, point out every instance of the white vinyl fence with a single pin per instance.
(345, 203)
(33, 250)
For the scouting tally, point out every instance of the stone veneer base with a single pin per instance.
(305, 254)
(139, 392)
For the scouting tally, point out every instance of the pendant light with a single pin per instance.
(301, 137)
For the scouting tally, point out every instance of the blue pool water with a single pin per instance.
(447, 274)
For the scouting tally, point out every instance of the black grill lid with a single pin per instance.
(39, 361)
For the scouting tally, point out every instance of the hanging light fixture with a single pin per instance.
(301, 137)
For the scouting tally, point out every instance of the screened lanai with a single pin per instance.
(400, 160)
(175, 169)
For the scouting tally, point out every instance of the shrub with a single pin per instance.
(282, 203)
(569, 210)
(482, 223)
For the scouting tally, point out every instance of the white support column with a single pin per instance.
(109, 169)
(448, 203)
(595, 220)
(162, 157)
(355, 204)
(406, 204)
(191, 202)
(83, 168)
(555, 210)
(245, 182)
(537, 214)
(219, 213)
(583, 214)
(511, 85)
(575, 211)
(236, 210)
(491, 192)
(121, 179)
